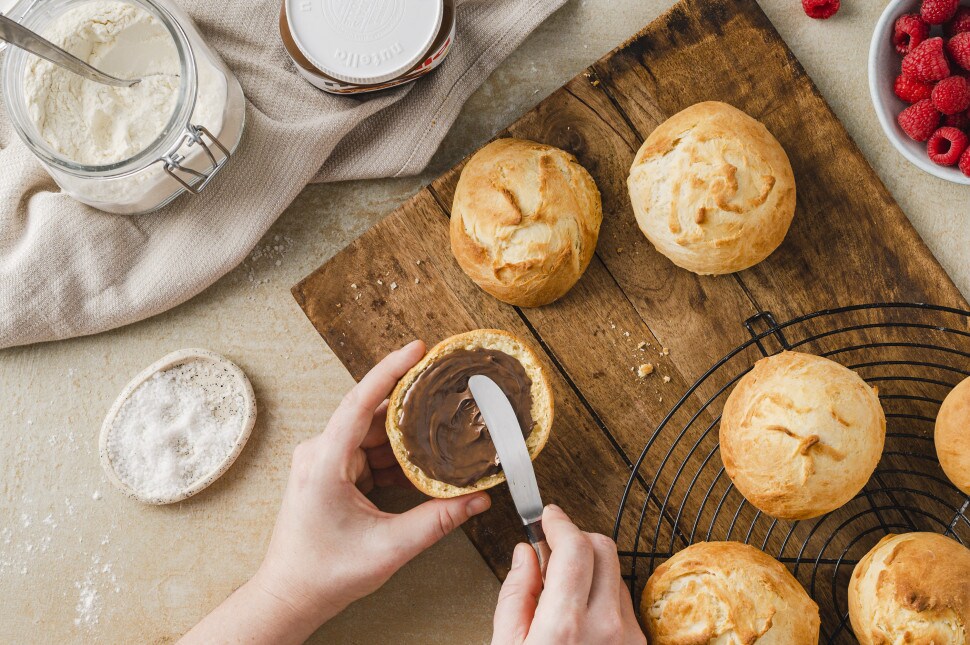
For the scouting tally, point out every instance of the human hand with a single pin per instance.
(584, 600)
(331, 545)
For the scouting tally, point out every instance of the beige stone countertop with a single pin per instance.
(79, 562)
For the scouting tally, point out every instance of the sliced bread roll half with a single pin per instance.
(434, 426)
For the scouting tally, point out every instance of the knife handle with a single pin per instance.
(537, 538)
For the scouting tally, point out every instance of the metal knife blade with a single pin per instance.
(503, 427)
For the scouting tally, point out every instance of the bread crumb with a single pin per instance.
(645, 370)
(664, 352)
(641, 345)
(353, 285)
(666, 379)
(380, 282)
(418, 262)
(619, 250)
(393, 286)
(417, 281)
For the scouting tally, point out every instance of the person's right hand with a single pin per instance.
(584, 601)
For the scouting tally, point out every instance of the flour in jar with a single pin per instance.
(95, 124)
(176, 428)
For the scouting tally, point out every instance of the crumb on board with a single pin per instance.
(665, 352)
(645, 370)
(393, 286)
(418, 262)
(379, 281)
(666, 379)
(642, 345)
(353, 285)
(417, 281)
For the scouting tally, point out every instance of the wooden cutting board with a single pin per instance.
(850, 243)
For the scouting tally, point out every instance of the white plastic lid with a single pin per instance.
(364, 41)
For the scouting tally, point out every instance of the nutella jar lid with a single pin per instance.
(364, 41)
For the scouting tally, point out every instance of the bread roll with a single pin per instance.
(952, 436)
(712, 189)
(801, 435)
(726, 592)
(525, 221)
(447, 419)
(912, 588)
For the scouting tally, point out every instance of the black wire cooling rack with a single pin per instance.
(914, 354)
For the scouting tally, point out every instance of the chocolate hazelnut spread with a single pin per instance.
(443, 431)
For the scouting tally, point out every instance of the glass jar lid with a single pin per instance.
(364, 41)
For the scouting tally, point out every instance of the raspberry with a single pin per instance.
(959, 49)
(965, 162)
(936, 12)
(927, 62)
(910, 31)
(959, 24)
(910, 90)
(946, 145)
(919, 120)
(959, 120)
(952, 95)
(821, 9)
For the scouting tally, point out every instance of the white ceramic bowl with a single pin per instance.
(884, 67)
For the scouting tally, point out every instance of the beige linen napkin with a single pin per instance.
(69, 270)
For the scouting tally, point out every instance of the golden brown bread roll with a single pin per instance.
(712, 189)
(434, 426)
(912, 588)
(801, 435)
(952, 436)
(525, 220)
(726, 592)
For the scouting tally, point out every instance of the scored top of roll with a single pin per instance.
(525, 220)
(712, 189)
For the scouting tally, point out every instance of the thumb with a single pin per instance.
(422, 526)
(518, 599)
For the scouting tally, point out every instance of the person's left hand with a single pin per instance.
(331, 545)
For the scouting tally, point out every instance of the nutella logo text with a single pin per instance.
(356, 59)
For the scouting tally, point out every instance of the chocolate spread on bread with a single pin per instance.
(442, 428)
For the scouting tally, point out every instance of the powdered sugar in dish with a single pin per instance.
(177, 427)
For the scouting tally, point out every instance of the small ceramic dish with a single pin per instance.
(229, 375)
(884, 67)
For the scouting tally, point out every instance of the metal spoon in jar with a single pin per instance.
(16, 34)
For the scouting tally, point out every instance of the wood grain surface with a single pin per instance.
(850, 243)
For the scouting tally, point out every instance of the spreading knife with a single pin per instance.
(506, 433)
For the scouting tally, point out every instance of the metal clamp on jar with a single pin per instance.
(198, 130)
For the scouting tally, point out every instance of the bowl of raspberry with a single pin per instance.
(919, 79)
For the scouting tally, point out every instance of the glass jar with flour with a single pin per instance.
(123, 150)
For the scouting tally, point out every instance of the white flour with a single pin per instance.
(176, 428)
(96, 124)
